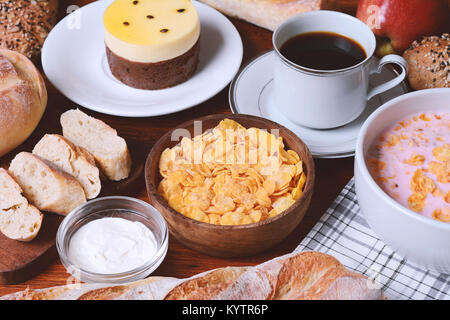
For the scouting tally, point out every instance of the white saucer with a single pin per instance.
(250, 94)
(74, 60)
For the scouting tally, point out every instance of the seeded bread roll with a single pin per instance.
(18, 219)
(25, 25)
(109, 150)
(74, 160)
(429, 62)
(45, 185)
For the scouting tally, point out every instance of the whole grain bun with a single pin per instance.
(268, 13)
(26, 24)
(429, 62)
(18, 219)
(109, 150)
(45, 185)
(74, 160)
(305, 276)
(23, 98)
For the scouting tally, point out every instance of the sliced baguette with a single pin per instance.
(109, 150)
(18, 219)
(75, 160)
(45, 185)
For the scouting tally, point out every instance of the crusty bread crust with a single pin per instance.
(23, 99)
(301, 273)
(26, 24)
(211, 284)
(111, 293)
(305, 276)
(429, 63)
(40, 294)
(268, 13)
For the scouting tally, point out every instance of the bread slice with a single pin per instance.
(75, 160)
(109, 150)
(18, 219)
(45, 185)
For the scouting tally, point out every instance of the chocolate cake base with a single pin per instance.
(153, 76)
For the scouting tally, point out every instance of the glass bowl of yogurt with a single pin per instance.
(112, 240)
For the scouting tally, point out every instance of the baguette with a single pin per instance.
(109, 150)
(304, 276)
(18, 219)
(268, 14)
(45, 185)
(74, 160)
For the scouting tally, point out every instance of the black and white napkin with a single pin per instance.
(343, 233)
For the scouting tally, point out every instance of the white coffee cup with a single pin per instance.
(324, 99)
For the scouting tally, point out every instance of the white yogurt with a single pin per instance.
(112, 245)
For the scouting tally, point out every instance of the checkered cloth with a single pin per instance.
(343, 233)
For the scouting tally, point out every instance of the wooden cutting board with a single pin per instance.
(20, 261)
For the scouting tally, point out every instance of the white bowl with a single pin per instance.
(415, 237)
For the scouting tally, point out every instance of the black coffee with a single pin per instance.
(323, 51)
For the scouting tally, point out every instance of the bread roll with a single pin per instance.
(23, 99)
(109, 150)
(429, 63)
(45, 185)
(18, 219)
(74, 160)
(268, 14)
(303, 276)
(26, 24)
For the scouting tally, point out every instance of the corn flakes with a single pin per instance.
(231, 175)
(442, 214)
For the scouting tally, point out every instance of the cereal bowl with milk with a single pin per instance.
(401, 176)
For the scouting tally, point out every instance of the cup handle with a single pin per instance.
(390, 58)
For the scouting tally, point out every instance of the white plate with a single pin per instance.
(250, 94)
(74, 60)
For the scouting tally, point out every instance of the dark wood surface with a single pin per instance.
(21, 261)
(142, 133)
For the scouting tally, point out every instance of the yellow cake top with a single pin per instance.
(170, 27)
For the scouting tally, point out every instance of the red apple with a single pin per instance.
(400, 22)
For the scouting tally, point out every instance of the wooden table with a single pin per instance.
(332, 175)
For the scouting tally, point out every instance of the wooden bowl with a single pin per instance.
(230, 241)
